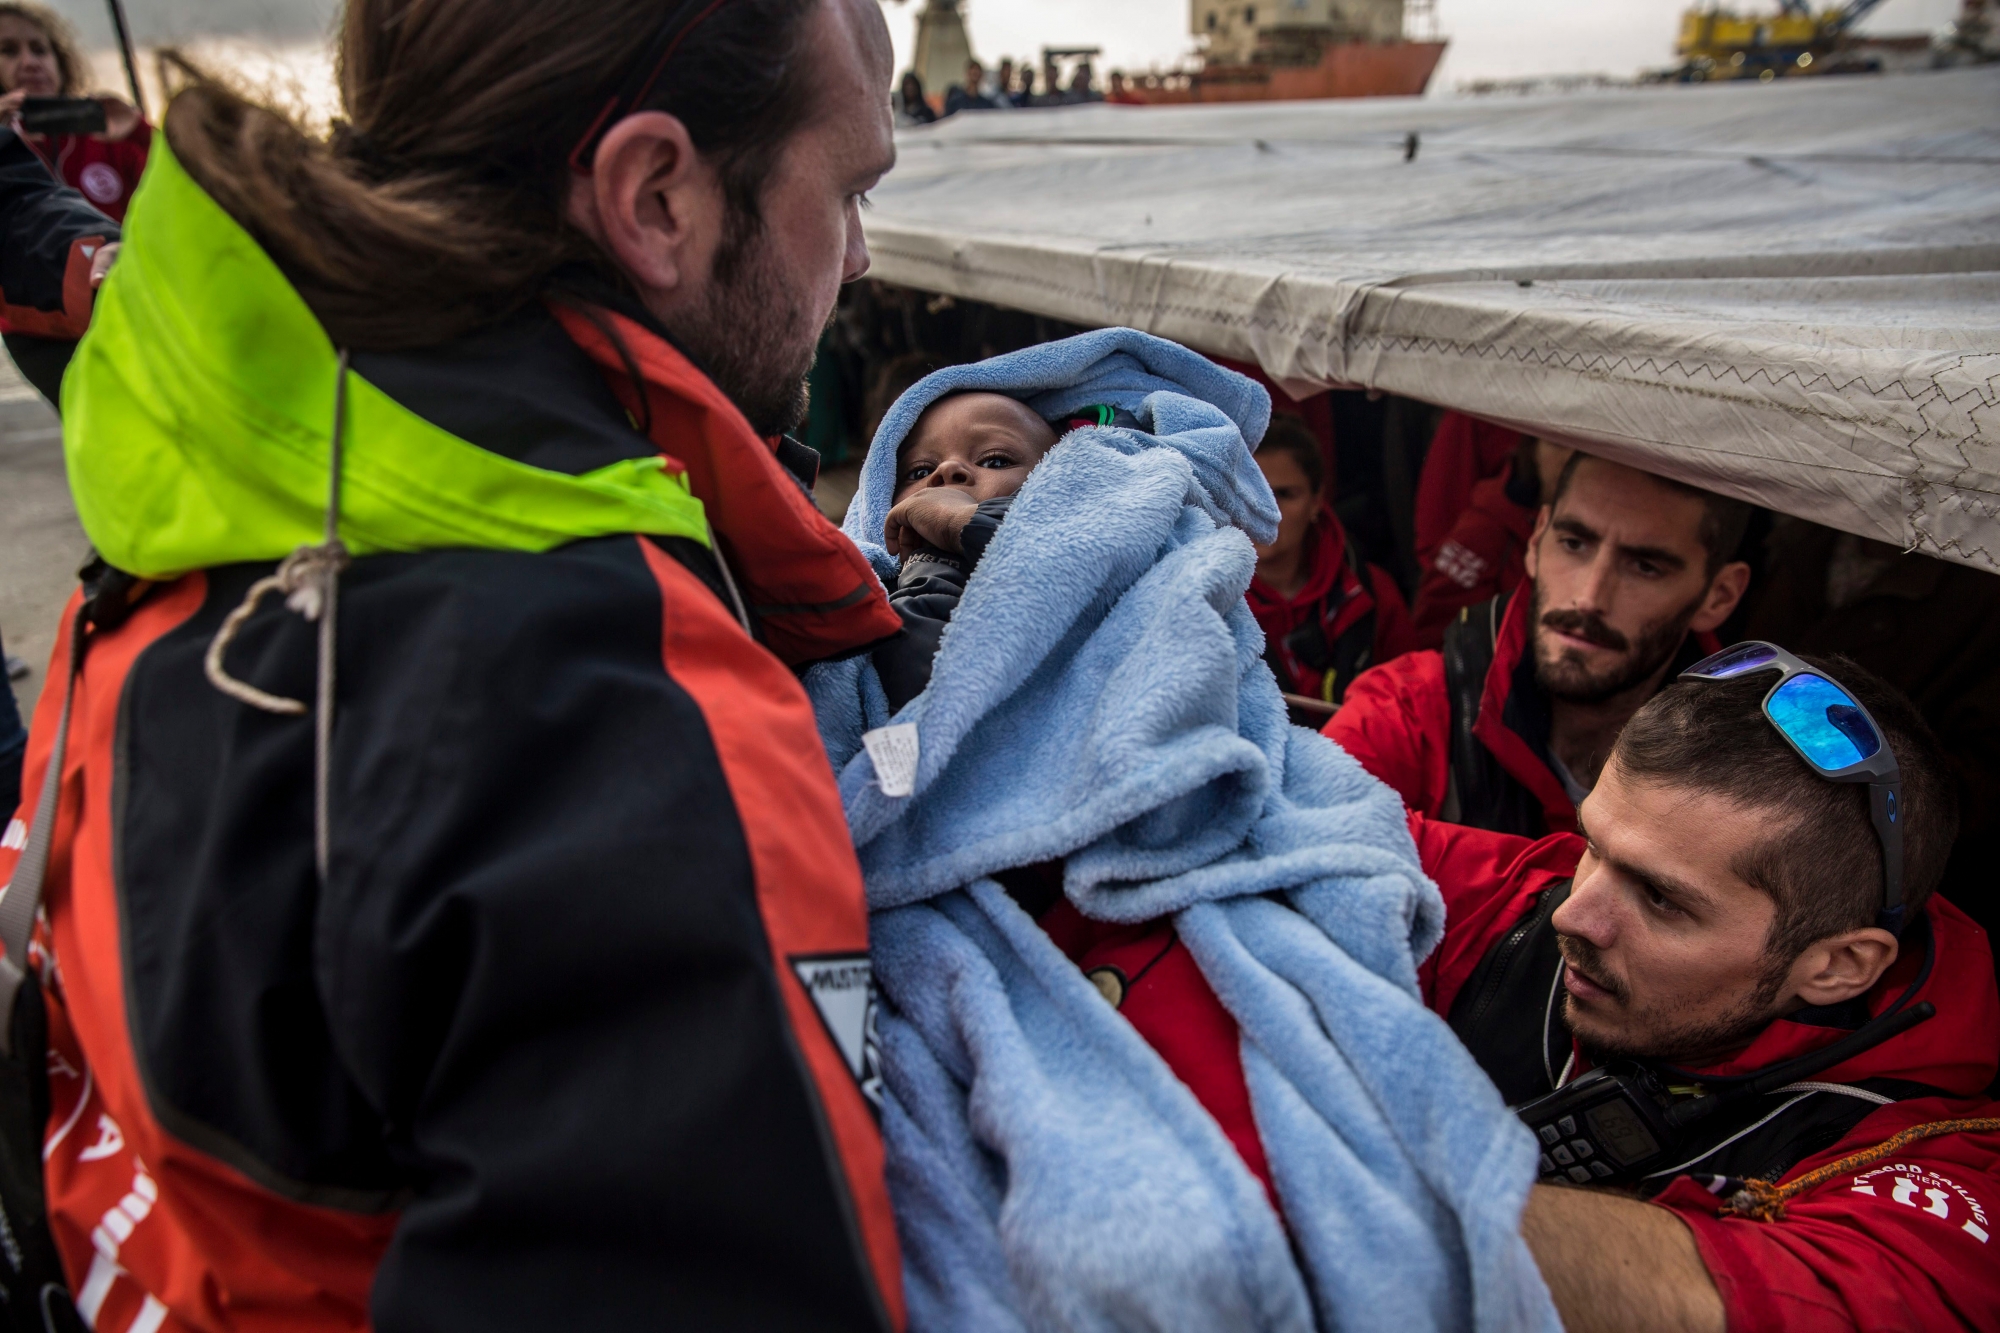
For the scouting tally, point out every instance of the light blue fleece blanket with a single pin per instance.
(1100, 696)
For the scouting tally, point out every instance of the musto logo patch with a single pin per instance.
(842, 987)
(1927, 1191)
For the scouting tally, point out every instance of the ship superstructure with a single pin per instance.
(1290, 32)
(1256, 50)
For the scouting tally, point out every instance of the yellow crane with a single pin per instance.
(1717, 43)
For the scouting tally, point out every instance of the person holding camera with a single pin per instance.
(39, 58)
(96, 146)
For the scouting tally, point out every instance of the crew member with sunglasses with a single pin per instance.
(1757, 1049)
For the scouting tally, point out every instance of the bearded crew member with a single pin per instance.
(1507, 727)
(519, 979)
(1723, 910)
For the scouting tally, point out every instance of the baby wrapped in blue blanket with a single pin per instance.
(1099, 768)
(957, 473)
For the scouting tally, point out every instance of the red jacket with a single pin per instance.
(105, 171)
(1339, 598)
(1905, 1242)
(1397, 721)
(1160, 990)
(1484, 557)
(1464, 452)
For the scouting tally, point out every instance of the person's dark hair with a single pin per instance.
(439, 205)
(1723, 520)
(1821, 864)
(72, 70)
(1290, 435)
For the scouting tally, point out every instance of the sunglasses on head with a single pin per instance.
(1831, 730)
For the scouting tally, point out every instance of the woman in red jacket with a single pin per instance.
(39, 58)
(1326, 614)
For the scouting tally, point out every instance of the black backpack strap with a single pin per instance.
(1340, 660)
(1768, 1136)
(1479, 792)
(1494, 1014)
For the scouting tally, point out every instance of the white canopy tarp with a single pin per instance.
(1786, 292)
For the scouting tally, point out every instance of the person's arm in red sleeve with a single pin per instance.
(1481, 558)
(1464, 451)
(1393, 720)
(1905, 1242)
(1488, 881)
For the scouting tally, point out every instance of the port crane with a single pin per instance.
(1717, 43)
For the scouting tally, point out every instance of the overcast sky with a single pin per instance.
(1489, 38)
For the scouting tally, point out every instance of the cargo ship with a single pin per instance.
(1271, 50)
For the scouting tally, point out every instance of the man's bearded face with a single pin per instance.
(1563, 671)
(753, 335)
(1662, 1031)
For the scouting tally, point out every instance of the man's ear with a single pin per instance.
(1841, 967)
(1725, 590)
(652, 204)
(1533, 555)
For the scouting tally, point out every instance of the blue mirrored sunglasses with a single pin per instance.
(1833, 733)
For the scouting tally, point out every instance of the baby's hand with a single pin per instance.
(935, 516)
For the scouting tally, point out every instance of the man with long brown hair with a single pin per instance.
(468, 936)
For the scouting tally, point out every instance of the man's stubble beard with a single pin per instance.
(1567, 679)
(1677, 1043)
(753, 336)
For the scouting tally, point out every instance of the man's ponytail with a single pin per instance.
(438, 204)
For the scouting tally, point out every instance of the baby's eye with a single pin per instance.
(919, 472)
(997, 461)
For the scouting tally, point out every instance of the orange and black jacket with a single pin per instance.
(544, 1050)
(48, 236)
(49, 233)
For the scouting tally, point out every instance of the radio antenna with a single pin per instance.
(125, 48)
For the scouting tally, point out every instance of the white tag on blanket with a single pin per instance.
(894, 750)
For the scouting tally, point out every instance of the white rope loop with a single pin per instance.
(305, 578)
(310, 580)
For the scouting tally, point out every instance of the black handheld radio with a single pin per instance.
(1616, 1124)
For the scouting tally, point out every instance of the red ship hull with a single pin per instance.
(1345, 69)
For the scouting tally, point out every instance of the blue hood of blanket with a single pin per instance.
(1181, 398)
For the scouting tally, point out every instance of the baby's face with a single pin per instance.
(982, 443)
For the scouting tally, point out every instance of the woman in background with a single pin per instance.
(39, 58)
(1327, 614)
(912, 108)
